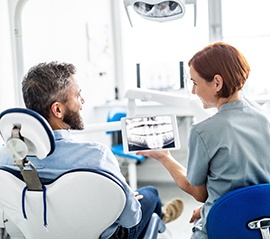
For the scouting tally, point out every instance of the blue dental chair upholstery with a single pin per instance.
(115, 114)
(81, 203)
(241, 214)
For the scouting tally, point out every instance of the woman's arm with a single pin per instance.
(178, 172)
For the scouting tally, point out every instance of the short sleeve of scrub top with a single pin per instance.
(198, 159)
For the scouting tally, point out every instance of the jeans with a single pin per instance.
(150, 203)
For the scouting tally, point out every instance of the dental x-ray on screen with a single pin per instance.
(150, 133)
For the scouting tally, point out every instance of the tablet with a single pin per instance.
(149, 132)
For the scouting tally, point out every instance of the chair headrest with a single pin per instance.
(37, 135)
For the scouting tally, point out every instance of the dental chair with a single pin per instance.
(242, 213)
(81, 203)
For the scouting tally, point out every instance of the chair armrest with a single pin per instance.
(155, 226)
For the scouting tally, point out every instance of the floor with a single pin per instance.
(180, 228)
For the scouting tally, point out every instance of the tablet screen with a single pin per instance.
(150, 133)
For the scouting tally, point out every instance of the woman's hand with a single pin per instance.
(156, 154)
(195, 215)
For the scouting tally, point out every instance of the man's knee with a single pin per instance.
(149, 189)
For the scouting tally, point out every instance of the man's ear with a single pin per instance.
(218, 80)
(57, 110)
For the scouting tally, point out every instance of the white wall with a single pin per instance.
(76, 31)
(7, 93)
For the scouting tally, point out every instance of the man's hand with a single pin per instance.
(138, 196)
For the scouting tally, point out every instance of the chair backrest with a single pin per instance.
(79, 204)
(115, 114)
(242, 213)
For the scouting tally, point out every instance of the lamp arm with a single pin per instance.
(126, 4)
(195, 14)
(194, 2)
(99, 127)
(165, 98)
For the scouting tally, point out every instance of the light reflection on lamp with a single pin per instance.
(158, 10)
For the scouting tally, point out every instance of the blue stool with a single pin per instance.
(241, 213)
(115, 114)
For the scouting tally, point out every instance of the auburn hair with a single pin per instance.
(222, 59)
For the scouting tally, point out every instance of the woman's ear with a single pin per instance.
(57, 110)
(218, 80)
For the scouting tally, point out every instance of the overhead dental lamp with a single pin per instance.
(158, 10)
